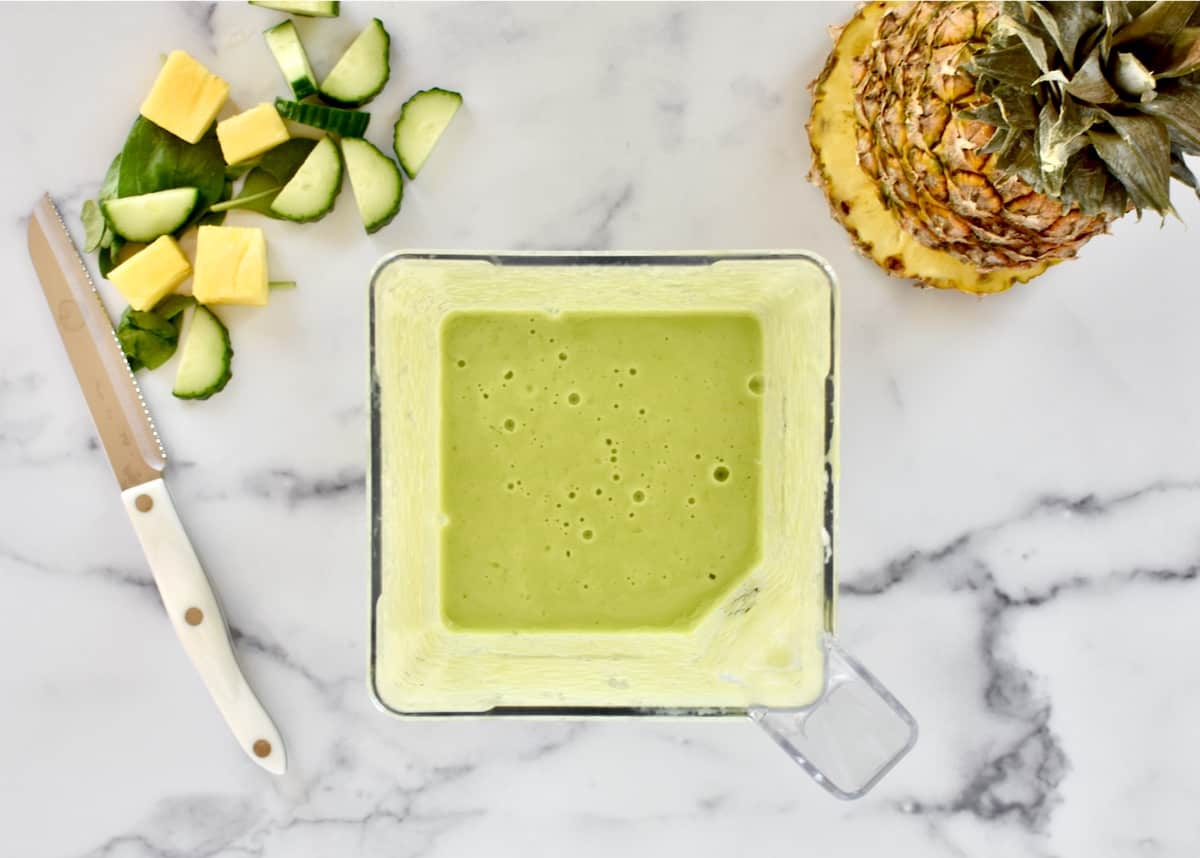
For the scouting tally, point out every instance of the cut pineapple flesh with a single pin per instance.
(251, 133)
(151, 274)
(185, 98)
(854, 196)
(231, 266)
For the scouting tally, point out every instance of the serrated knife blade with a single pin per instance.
(138, 460)
(122, 421)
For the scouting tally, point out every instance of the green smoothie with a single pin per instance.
(600, 471)
(601, 484)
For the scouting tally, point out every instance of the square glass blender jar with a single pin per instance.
(763, 645)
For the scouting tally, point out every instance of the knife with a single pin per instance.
(137, 457)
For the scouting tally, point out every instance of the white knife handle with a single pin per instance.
(192, 607)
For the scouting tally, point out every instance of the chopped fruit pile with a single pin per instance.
(181, 169)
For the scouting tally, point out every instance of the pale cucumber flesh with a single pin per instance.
(145, 217)
(376, 182)
(312, 191)
(286, 47)
(422, 120)
(306, 8)
(362, 71)
(204, 365)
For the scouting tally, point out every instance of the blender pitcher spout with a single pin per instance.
(852, 736)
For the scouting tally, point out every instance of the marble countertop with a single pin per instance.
(1020, 501)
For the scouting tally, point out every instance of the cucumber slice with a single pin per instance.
(422, 120)
(204, 366)
(146, 217)
(376, 182)
(362, 71)
(348, 123)
(312, 191)
(307, 8)
(285, 45)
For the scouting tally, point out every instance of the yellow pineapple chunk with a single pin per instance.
(151, 274)
(231, 266)
(185, 97)
(251, 133)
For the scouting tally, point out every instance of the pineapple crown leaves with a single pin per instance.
(1095, 103)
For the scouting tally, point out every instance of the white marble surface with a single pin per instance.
(1020, 531)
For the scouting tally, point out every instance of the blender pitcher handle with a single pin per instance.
(851, 736)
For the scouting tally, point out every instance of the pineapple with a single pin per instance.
(972, 145)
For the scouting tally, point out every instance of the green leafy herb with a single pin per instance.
(171, 308)
(94, 226)
(216, 214)
(108, 255)
(233, 172)
(156, 160)
(147, 339)
(211, 218)
(249, 200)
(275, 169)
(108, 189)
(98, 235)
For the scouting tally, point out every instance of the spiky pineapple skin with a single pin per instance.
(902, 172)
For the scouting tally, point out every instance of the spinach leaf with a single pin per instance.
(275, 169)
(216, 214)
(98, 235)
(284, 160)
(94, 226)
(108, 190)
(171, 308)
(147, 339)
(258, 192)
(108, 255)
(157, 160)
(236, 171)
